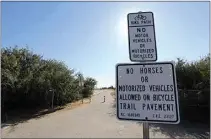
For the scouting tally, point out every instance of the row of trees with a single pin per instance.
(111, 87)
(193, 79)
(28, 81)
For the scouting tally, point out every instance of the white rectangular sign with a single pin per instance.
(147, 92)
(141, 34)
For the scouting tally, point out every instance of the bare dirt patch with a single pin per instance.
(113, 93)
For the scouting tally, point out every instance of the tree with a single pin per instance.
(193, 79)
(89, 85)
(111, 87)
(27, 79)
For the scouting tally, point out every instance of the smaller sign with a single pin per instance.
(141, 34)
(147, 92)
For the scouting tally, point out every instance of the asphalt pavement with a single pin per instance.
(94, 120)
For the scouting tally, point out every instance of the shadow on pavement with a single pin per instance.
(183, 130)
(22, 116)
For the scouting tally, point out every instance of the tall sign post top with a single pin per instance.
(141, 34)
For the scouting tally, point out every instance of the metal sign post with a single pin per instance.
(145, 130)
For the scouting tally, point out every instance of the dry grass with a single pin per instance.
(113, 93)
(76, 104)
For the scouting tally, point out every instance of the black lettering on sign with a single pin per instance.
(141, 29)
(122, 114)
(142, 40)
(141, 35)
(129, 70)
(151, 70)
(146, 97)
(120, 88)
(163, 97)
(169, 116)
(134, 88)
(143, 106)
(156, 116)
(163, 88)
(143, 56)
(142, 45)
(159, 107)
(122, 105)
(128, 106)
(133, 114)
(134, 22)
(143, 50)
(145, 21)
(144, 79)
(136, 97)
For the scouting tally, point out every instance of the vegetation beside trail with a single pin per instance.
(111, 87)
(30, 82)
(113, 93)
(193, 79)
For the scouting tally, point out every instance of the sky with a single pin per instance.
(92, 37)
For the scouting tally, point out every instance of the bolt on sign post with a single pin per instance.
(146, 91)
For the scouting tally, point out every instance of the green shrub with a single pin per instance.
(26, 79)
